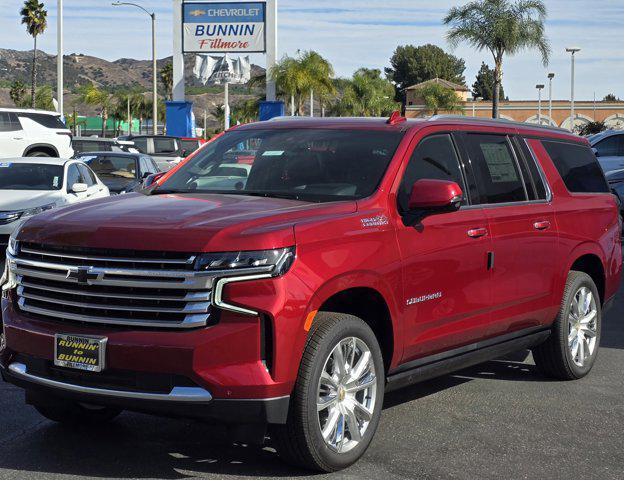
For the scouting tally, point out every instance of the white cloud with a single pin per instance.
(355, 33)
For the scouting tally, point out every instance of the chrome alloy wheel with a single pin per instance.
(347, 392)
(582, 326)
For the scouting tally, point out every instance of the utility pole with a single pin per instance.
(573, 52)
(59, 58)
(539, 87)
(129, 118)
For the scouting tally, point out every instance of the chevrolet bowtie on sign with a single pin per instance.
(228, 27)
(80, 353)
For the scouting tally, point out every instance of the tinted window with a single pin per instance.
(189, 145)
(165, 145)
(9, 122)
(497, 172)
(308, 164)
(141, 144)
(435, 158)
(147, 166)
(87, 175)
(113, 167)
(534, 170)
(30, 176)
(73, 176)
(610, 147)
(578, 167)
(48, 121)
(82, 146)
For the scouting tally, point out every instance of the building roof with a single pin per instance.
(440, 81)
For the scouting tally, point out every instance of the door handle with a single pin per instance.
(18, 138)
(477, 232)
(544, 225)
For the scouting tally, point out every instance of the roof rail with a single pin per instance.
(496, 121)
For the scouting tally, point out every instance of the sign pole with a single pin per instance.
(227, 106)
(271, 48)
(59, 59)
(178, 57)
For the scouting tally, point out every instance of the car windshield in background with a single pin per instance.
(189, 146)
(30, 176)
(306, 164)
(110, 167)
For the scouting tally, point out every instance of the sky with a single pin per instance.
(357, 33)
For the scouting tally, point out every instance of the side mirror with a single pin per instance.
(79, 187)
(152, 179)
(435, 195)
(595, 150)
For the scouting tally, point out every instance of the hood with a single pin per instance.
(183, 223)
(16, 200)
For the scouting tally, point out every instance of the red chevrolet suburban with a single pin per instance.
(286, 293)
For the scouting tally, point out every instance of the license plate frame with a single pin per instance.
(82, 352)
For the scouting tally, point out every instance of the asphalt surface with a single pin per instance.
(499, 420)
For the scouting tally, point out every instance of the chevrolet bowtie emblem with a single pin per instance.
(82, 275)
(198, 13)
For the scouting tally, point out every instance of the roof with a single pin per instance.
(30, 110)
(111, 154)
(440, 81)
(594, 139)
(39, 160)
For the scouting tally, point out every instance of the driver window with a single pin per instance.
(435, 158)
(73, 176)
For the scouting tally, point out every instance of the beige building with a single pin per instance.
(612, 113)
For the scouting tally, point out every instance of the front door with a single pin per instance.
(523, 228)
(446, 279)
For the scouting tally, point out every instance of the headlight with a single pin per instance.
(280, 259)
(37, 210)
(13, 247)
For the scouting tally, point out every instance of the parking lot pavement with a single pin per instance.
(497, 420)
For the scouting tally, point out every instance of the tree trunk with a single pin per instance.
(292, 105)
(498, 80)
(104, 118)
(33, 85)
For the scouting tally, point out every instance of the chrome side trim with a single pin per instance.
(177, 394)
(217, 293)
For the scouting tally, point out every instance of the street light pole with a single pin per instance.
(550, 96)
(572, 51)
(59, 58)
(154, 63)
(539, 87)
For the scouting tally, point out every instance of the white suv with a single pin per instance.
(33, 133)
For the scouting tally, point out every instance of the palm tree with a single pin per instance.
(35, 17)
(18, 92)
(166, 76)
(438, 98)
(289, 78)
(91, 95)
(503, 28)
(319, 74)
(367, 94)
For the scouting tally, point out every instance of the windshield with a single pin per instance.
(110, 167)
(30, 176)
(306, 164)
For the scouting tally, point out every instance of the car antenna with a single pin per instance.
(396, 118)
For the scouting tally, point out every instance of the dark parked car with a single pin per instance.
(191, 145)
(86, 145)
(609, 148)
(166, 151)
(121, 172)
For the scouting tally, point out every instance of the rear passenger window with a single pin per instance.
(435, 158)
(577, 166)
(536, 177)
(498, 175)
(9, 122)
(610, 147)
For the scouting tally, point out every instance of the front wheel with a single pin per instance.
(338, 397)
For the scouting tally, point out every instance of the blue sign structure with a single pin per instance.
(224, 27)
(180, 119)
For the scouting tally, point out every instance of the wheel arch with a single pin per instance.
(592, 265)
(41, 147)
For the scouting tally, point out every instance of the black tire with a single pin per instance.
(37, 153)
(554, 357)
(300, 441)
(76, 414)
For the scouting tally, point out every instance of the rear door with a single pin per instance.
(445, 259)
(516, 201)
(13, 141)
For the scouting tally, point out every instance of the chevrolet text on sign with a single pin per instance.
(224, 27)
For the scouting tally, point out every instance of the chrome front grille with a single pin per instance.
(141, 289)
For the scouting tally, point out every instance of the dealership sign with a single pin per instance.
(224, 27)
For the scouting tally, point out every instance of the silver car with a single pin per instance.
(609, 148)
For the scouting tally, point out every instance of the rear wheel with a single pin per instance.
(72, 413)
(38, 153)
(571, 350)
(336, 405)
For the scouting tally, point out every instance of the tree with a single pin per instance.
(44, 99)
(439, 98)
(591, 128)
(91, 95)
(412, 65)
(503, 27)
(166, 76)
(366, 94)
(35, 17)
(484, 84)
(319, 74)
(18, 92)
(611, 98)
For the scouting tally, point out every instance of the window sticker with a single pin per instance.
(273, 153)
(55, 182)
(499, 162)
